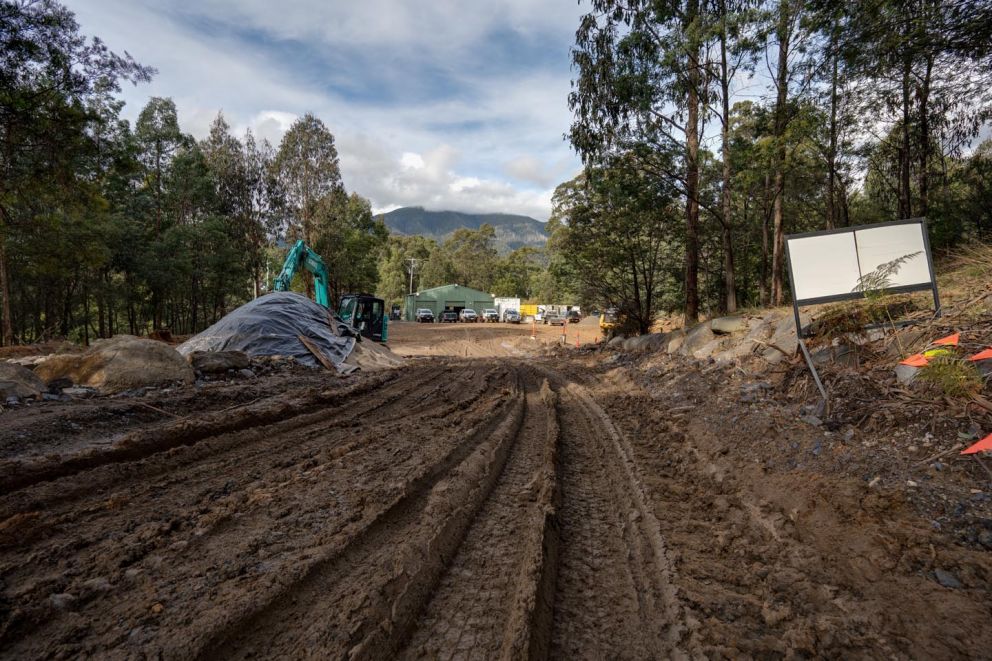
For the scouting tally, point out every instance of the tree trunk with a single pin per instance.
(832, 149)
(692, 171)
(7, 333)
(905, 203)
(924, 98)
(782, 81)
(729, 277)
(765, 246)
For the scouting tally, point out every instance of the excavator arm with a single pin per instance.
(302, 256)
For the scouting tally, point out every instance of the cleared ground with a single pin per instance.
(517, 506)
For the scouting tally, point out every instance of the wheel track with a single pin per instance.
(456, 387)
(615, 589)
(334, 600)
(493, 600)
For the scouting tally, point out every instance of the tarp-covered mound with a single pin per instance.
(271, 326)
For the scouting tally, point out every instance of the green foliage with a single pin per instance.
(952, 376)
(107, 229)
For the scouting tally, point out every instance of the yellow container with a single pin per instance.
(528, 310)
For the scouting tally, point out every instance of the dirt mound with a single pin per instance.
(121, 363)
(374, 356)
(272, 326)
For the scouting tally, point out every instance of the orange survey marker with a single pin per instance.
(949, 341)
(984, 444)
(982, 355)
(917, 360)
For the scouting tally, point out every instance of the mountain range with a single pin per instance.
(512, 231)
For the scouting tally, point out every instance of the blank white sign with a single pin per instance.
(833, 264)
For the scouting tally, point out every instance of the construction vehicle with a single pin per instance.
(608, 320)
(363, 312)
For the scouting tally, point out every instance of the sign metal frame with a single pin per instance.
(848, 296)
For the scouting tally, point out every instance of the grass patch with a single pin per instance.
(952, 376)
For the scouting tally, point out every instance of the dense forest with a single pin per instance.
(710, 129)
(111, 228)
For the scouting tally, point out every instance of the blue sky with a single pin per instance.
(448, 104)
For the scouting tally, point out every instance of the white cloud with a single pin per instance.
(490, 139)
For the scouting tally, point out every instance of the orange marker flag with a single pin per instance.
(917, 360)
(984, 444)
(950, 340)
(982, 355)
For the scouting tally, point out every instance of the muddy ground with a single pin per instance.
(515, 503)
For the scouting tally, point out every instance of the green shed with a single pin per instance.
(447, 297)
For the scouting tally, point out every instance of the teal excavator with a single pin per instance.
(363, 312)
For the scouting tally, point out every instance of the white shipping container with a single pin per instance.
(503, 304)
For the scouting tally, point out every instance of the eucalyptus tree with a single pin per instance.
(638, 92)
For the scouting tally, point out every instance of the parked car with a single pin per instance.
(511, 317)
(468, 316)
(449, 317)
(573, 317)
(424, 316)
(554, 319)
(490, 315)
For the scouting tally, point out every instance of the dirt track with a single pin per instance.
(488, 508)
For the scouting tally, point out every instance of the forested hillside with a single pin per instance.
(512, 231)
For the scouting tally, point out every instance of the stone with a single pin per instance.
(985, 539)
(616, 341)
(216, 362)
(79, 392)
(841, 354)
(695, 339)
(677, 338)
(906, 374)
(20, 382)
(812, 420)
(727, 325)
(62, 600)
(246, 374)
(56, 386)
(947, 579)
(647, 342)
(121, 363)
(708, 349)
(783, 343)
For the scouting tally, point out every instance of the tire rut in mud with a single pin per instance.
(493, 600)
(614, 595)
(204, 525)
(484, 508)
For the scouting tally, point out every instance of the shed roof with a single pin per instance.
(453, 292)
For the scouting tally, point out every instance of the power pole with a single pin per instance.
(412, 263)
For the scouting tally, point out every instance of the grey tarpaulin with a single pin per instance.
(271, 325)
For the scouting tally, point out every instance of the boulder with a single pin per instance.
(727, 325)
(696, 339)
(616, 341)
(783, 343)
(648, 342)
(19, 382)
(906, 374)
(676, 338)
(121, 363)
(215, 362)
(708, 349)
(842, 353)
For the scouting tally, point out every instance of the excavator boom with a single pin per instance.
(363, 312)
(301, 255)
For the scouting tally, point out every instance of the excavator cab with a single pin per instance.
(367, 314)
